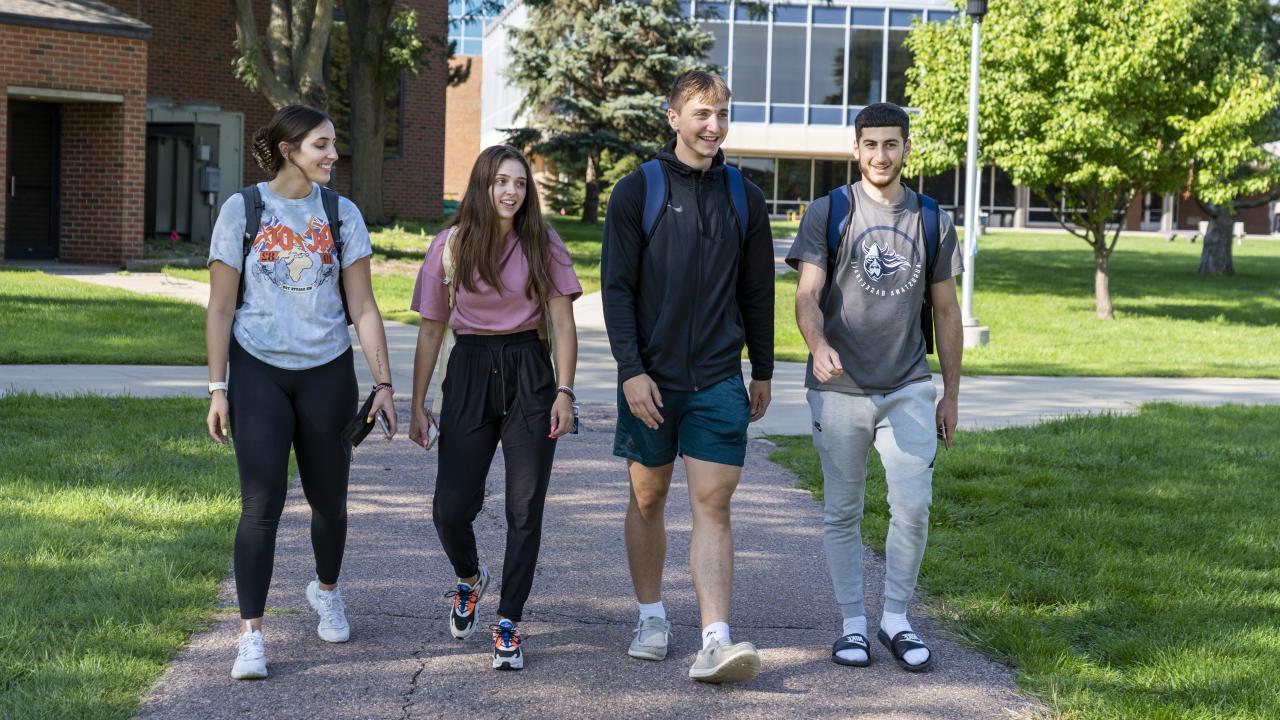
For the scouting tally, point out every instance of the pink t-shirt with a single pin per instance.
(486, 311)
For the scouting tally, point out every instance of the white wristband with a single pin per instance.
(217, 386)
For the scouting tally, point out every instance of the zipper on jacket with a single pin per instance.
(697, 276)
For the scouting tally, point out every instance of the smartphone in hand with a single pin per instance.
(383, 426)
(943, 436)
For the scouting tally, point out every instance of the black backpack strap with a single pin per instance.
(333, 214)
(656, 195)
(931, 225)
(253, 209)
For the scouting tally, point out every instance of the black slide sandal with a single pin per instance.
(852, 641)
(900, 644)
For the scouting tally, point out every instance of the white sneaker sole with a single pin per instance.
(248, 673)
(332, 636)
(742, 666)
(508, 663)
(643, 652)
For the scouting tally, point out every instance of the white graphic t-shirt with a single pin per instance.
(871, 315)
(292, 314)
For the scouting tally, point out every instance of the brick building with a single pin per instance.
(149, 129)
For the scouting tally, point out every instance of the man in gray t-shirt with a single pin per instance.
(869, 383)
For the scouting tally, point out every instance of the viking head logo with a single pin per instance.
(881, 262)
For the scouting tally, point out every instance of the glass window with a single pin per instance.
(828, 175)
(788, 64)
(899, 61)
(793, 180)
(868, 17)
(749, 12)
(865, 62)
(819, 115)
(759, 171)
(786, 114)
(1003, 192)
(747, 113)
(718, 53)
(713, 10)
(790, 13)
(902, 18)
(685, 8)
(942, 188)
(828, 16)
(750, 51)
(941, 16)
(826, 66)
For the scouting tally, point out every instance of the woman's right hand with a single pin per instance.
(418, 426)
(219, 417)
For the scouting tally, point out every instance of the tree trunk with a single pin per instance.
(1102, 281)
(1215, 257)
(591, 198)
(366, 29)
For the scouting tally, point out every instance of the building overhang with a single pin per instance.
(20, 92)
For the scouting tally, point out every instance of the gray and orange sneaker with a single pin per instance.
(462, 617)
(507, 654)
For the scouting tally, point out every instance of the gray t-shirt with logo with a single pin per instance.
(292, 314)
(872, 311)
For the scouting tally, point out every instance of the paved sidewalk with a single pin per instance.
(402, 663)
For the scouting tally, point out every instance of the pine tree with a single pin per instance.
(595, 74)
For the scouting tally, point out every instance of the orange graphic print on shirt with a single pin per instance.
(293, 262)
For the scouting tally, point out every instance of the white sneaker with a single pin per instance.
(333, 625)
(723, 663)
(251, 661)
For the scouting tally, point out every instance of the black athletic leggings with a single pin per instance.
(272, 409)
(498, 387)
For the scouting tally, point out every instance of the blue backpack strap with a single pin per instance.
(655, 194)
(333, 214)
(738, 195)
(253, 209)
(930, 219)
(838, 213)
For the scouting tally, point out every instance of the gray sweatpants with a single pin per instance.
(901, 425)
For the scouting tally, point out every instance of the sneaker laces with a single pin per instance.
(250, 647)
(505, 636)
(333, 607)
(464, 599)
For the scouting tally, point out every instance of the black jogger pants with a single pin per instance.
(497, 388)
(271, 410)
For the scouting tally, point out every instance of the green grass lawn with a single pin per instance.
(1126, 566)
(118, 520)
(1035, 292)
(45, 319)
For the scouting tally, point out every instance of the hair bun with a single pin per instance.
(261, 151)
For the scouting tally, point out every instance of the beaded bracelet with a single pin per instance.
(567, 391)
(379, 386)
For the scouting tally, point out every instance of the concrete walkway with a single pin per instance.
(402, 663)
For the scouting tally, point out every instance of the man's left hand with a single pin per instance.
(760, 394)
(946, 419)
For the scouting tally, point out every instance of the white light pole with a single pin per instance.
(974, 334)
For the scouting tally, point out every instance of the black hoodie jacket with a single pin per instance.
(680, 304)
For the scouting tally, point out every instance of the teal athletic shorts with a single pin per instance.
(709, 424)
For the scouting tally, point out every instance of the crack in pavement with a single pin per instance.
(406, 709)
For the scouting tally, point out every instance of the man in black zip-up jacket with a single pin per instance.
(680, 301)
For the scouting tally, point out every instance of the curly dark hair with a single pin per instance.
(882, 114)
(290, 125)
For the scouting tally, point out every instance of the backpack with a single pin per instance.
(841, 215)
(657, 195)
(545, 332)
(253, 218)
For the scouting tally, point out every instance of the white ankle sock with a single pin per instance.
(652, 610)
(716, 631)
(854, 625)
(894, 623)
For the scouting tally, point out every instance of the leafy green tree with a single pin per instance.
(1091, 103)
(594, 74)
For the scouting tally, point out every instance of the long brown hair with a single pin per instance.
(476, 243)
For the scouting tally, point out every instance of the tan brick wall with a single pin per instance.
(462, 131)
(103, 144)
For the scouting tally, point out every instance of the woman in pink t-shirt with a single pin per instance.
(508, 268)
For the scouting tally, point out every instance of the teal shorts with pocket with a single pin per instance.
(709, 424)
